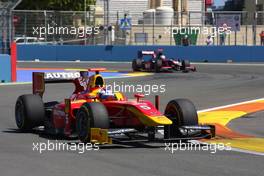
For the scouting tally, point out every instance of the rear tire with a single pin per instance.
(185, 64)
(91, 115)
(158, 65)
(181, 112)
(136, 64)
(29, 112)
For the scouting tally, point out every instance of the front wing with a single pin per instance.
(154, 134)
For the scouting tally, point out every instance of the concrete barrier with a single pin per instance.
(127, 53)
(5, 68)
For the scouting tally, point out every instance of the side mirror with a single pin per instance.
(138, 96)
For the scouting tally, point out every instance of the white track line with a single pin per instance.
(229, 105)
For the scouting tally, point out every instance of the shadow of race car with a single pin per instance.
(98, 117)
(155, 61)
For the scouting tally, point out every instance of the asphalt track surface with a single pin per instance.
(212, 85)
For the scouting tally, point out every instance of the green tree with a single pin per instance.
(63, 5)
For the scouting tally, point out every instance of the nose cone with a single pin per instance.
(161, 120)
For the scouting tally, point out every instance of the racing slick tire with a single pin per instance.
(29, 112)
(181, 112)
(158, 65)
(185, 64)
(136, 64)
(91, 115)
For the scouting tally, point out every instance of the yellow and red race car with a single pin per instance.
(98, 117)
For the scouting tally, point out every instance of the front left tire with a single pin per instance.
(91, 115)
(185, 65)
(136, 64)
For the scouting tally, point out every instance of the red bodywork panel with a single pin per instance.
(126, 113)
(121, 113)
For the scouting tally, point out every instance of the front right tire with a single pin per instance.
(158, 65)
(181, 112)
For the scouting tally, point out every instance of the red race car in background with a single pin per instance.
(156, 61)
(98, 117)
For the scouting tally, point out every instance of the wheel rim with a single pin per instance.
(173, 115)
(20, 114)
(83, 126)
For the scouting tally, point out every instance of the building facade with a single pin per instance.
(135, 9)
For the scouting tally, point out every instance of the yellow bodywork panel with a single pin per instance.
(160, 120)
(150, 120)
(119, 96)
(100, 136)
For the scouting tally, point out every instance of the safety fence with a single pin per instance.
(125, 28)
(147, 28)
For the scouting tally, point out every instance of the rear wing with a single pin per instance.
(39, 79)
(142, 53)
(96, 70)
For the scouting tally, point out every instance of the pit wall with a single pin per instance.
(127, 53)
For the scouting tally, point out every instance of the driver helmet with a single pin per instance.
(105, 94)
